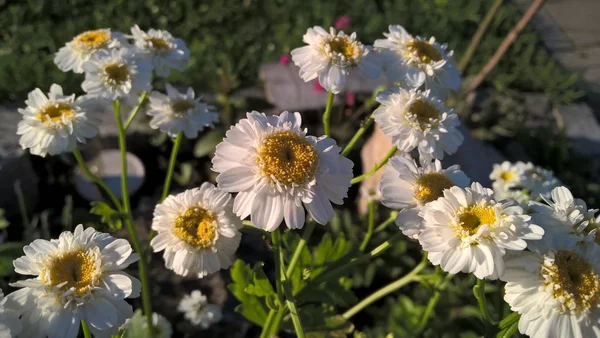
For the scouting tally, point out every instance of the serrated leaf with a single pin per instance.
(8, 253)
(261, 286)
(319, 322)
(252, 307)
(107, 215)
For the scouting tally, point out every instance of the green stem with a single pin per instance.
(86, 171)
(135, 110)
(387, 222)
(359, 133)
(266, 331)
(86, 330)
(433, 302)
(310, 226)
(508, 320)
(289, 301)
(171, 169)
(276, 321)
(328, 275)
(22, 203)
(276, 242)
(370, 226)
(289, 297)
(142, 264)
(384, 291)
(479, 292)
(509, 331)
(169, 177)
(377, 166)
(327, 114)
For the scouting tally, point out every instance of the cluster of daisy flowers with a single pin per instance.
(528, 231)
(523, 182)
(117, 67)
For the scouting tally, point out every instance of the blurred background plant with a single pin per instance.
(229, 40)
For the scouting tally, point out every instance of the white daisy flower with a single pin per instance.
(165, 51)
(332, 56)
(416, 119)
(54, 124)
(418, 62)
(556, 290)
(406, 186)
(77, 277)
(10, 325)
(507, 175)
(538, 181)
(116, 74)
(564, 215)
(180, 112)
(466, 230)
(198, 311)
(197, 230)
(276, 168)
(161, 326)
(84, 47)
(520, 196)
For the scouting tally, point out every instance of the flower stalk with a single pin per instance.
(327, 114)
(142, 263)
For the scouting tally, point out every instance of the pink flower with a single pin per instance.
(317, 87)
(342, 22)
(350, 99)
(284, 59)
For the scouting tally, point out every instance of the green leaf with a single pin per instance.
(8, 253)
(136, 327)
(320, 322)
(107, 215)
(261, 286)
(252, 307)
(185, 175)
(206, 144)
(3, 222)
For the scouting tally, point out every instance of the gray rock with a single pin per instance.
(285, 89)
(476, 158)
(582, 128)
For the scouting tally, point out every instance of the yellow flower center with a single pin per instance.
(288, 158)
(54, 112)
(181, 106)
(117, 73)
(197, 227)
(507, 176)
(93, 39)
(424, 51)
(423, 112)
(158, 43)
(430, 187)
(574, 281)
(472, 217)
(77, 269)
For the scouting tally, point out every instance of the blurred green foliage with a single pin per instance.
(230, 39)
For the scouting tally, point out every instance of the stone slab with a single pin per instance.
(285, 89)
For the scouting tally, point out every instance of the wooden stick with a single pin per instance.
(510, 38)
(483, 26)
